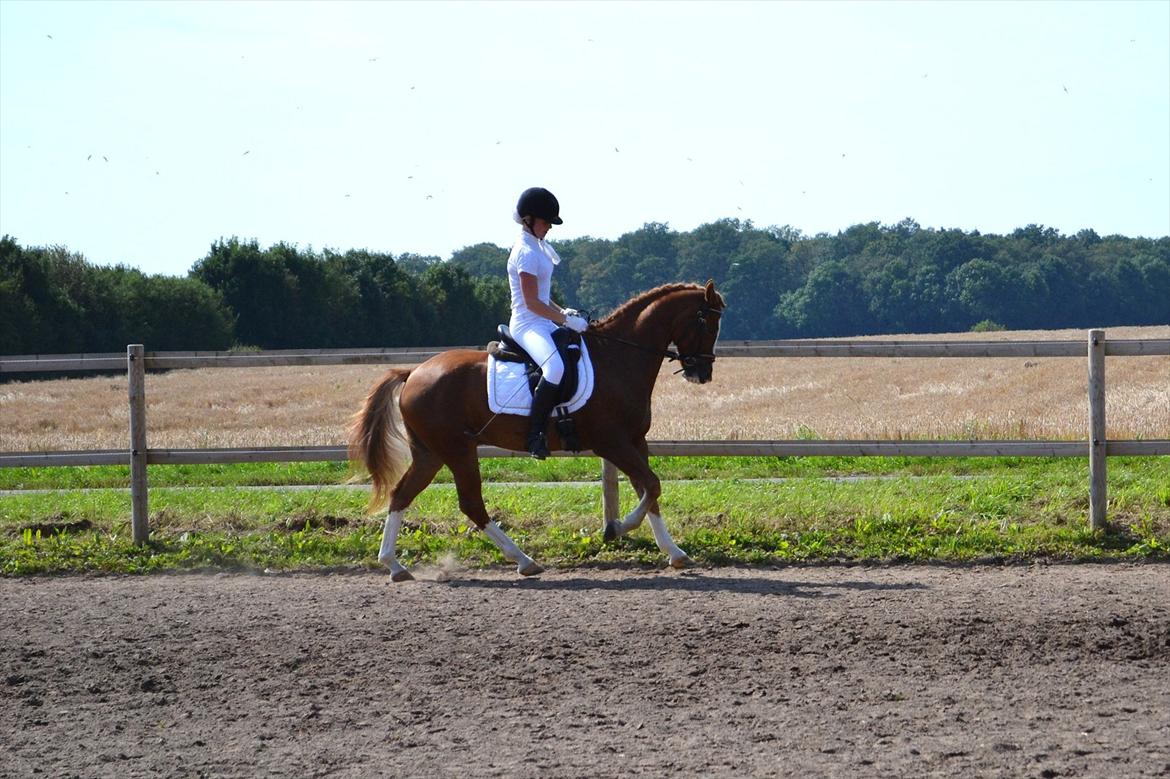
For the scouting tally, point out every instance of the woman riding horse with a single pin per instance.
(534, 315)
(416, 420)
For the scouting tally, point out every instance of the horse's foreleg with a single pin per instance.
(637, 469)
(678, 558)
(635, 463)
(618, 528)
(525, 565)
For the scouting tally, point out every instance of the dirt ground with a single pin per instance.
(1042, 670)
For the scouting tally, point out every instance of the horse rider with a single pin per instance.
(534, 315)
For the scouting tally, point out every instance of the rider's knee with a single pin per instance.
(553, 370)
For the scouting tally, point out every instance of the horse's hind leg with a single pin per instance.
(465, 470)
(423, 467)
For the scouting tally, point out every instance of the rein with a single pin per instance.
(686, 360)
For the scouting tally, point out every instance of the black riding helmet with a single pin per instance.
(539, 202)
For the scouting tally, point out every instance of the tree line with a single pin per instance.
(779, 283)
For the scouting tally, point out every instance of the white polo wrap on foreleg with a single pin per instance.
(524, 563)
(678, 558)
(635, 517)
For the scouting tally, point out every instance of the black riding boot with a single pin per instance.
(543, 400)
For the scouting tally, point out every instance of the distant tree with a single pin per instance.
(462, 317)
(258, 286)
(416, 263)
(868, 278)
(53, 301)
(705, 252)
(653, 239)
(392, 311)
(484, 260)
(167, 313)
(758, 273)
(983, 290)
(830, 303)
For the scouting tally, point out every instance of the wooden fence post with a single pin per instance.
(609, 491)
(139, 505)
(1097, 488)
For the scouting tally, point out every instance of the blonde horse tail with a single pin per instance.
(378, 438)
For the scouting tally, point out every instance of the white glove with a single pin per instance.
(570, 312)
(576, 323)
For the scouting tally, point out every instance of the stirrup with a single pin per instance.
(538, 446)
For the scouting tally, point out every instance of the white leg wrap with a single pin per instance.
(678, 558)
(524, 563)
(635, 517)
(387, 555)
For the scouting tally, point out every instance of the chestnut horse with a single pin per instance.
(416, 420)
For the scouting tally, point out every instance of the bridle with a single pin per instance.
(688, 361)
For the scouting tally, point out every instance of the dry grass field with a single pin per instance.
(751, 398)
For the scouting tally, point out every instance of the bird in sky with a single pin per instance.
(245, 154)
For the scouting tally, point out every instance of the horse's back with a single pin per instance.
(450, 385)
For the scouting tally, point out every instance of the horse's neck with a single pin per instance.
(649, 327)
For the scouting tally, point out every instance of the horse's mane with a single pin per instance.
(639, 302)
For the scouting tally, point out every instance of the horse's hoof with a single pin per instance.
(401, 576)
(611, 532)
(532, 569)
(680, 563)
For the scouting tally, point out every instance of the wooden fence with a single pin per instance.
(137, 361)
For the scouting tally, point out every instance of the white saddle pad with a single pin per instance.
(508, 391)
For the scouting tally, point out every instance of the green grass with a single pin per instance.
(511, 469)
(922, 509)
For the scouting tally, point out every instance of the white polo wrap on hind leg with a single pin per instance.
(387, 555)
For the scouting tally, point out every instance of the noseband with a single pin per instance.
(688, 361)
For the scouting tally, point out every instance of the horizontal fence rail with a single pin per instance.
(136, 362)
(55, 363)
(753, 448)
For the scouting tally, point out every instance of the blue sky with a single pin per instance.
(139, 133)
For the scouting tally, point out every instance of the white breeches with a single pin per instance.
(537, 341)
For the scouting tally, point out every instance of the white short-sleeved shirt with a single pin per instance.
(537, 257)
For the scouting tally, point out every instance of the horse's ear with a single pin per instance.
(711, 296)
